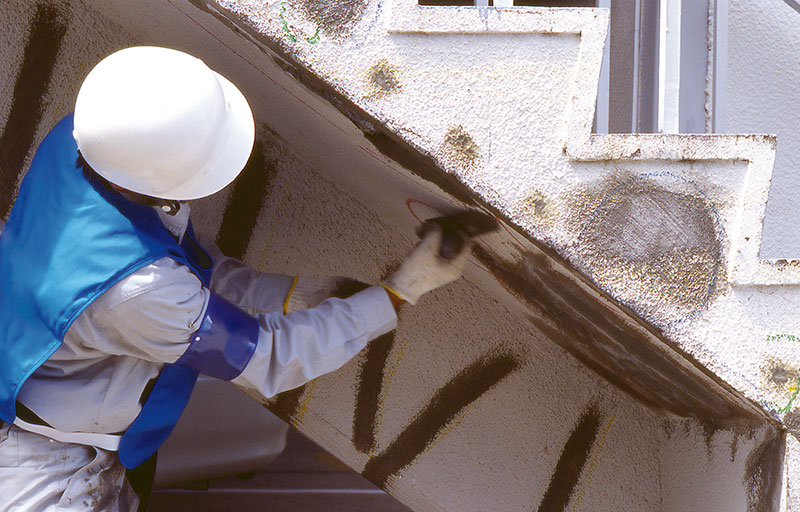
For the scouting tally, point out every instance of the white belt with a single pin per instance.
(108, 442)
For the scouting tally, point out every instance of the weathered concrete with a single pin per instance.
(617, 346)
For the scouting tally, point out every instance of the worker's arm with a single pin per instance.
(260, 292)
(156, 312)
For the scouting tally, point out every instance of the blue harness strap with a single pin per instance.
(158, 416)
(222, 347)
(225, 342)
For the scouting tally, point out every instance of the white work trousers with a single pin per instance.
(37, 474)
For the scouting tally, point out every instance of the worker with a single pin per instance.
(110, 305)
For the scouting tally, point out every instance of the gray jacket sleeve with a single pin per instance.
(155, 322)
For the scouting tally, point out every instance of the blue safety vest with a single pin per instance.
(69, 238)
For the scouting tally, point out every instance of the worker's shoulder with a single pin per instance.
(162, 283)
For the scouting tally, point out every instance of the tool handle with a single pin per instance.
(457, 228)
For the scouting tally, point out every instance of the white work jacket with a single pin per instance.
(94, 381)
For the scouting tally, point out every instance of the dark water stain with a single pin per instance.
(670, 242)
(383, 79)
(792, 422)
(335, 17)
(571, 462)
(764, 475)
(250, 190)
(39, 59)
(460, 148)
(613, 348)
(286, 405)
(368, 391)
(465, 388)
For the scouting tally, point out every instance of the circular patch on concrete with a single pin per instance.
(655, 243)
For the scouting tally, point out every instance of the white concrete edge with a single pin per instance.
(745, 267)
(408, 17)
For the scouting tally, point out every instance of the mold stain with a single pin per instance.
(667, 243)
(782, 381)
(460, 149)
(446, 405)
(335, 17)
(763, 475)
(570, 464)
(19, 134)
(538, 210)
(382, 79)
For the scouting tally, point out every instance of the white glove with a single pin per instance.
(425, 269)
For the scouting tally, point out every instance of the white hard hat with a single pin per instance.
(161, 123)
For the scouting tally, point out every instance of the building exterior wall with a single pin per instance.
(762, 96)
(512, 389)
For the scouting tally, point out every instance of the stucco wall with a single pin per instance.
(483, 399)
(762, 97)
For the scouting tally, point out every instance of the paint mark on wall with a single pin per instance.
(19, 133)
(570, 465)
(382, 79)
(336, 17)
(655, 241)
(764, 474)
(250, 189)
(592, 466)
(446, 404)
(460, 149)
(287, 405)
(368, 390)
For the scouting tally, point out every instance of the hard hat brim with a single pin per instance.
(232, 154)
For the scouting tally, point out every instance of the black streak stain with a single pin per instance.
(249, 191)
(370, 382)
(764, 474)
(18, 136)
(452, 398)
(570, 464)
(615, 350)
(287, 404)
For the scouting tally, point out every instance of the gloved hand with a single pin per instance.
(425, 269)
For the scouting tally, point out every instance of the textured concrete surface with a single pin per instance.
(618, 345)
